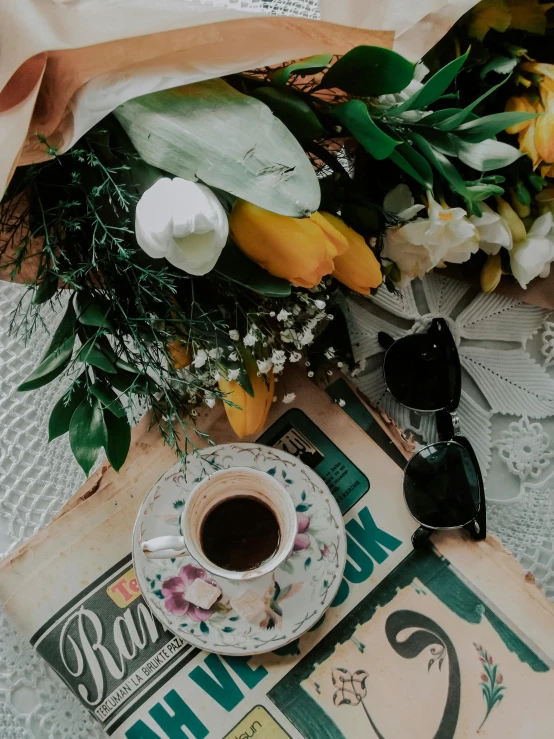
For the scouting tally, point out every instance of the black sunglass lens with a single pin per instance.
(441, 485)
(422, 371)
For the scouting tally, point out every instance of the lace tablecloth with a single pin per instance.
(507, 411)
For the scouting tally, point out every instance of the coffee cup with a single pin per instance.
(210, 493)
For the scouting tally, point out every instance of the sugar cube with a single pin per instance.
(202, 594)
(249, 606)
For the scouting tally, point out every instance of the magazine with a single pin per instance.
(447, 641)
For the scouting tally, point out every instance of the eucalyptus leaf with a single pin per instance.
(60, 417)
(355, 116)
(87, 433)
(210, 132)
(118, 439)
(458, 118)
(108, 399)
(90, 354)
(57, 355)
(307, 66)
(487, 155)
(46, 290)
(433, 88)
(488, 126)
(290, 108)
(237, 267)
(369, 71)
(90, 313)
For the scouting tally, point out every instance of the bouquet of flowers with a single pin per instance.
(199, 238)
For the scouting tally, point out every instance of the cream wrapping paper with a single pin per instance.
(65, 65)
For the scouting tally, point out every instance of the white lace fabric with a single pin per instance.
(506, 409)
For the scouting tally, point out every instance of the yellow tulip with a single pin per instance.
(300, 250)
(544, 137)
(527, 143)
(520, 105)
(179, 354)
(250, 416)
(491, 273)
(358, 268)
(515, 224)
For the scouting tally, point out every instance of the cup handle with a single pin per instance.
(164, 547)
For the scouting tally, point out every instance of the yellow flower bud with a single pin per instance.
(515, 224)
(250, 416)
(358, 268)
(179, 354)
(544, 137)
(491, 273)
(520, 105)
(520, 208)
(300, 250)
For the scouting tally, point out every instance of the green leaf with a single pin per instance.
(87, 433)
(500, 65)
(482, 192)
(90, 354)
(307, 66)
(458, 118)
(537, 182)
(487, 155)
(488, 126)
(209, 131)
(123, 365)
(290, 108)
(62, 412)
(57, 355)
(523, 194)
(369, 71)
(237, 267)
(108, 399)
(443, 165)
(90, 313)
(123, 380)
(46, 290)
(433, 88)
(355, 116)
(118, 439)
(411, 162)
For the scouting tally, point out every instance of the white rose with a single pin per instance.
(532, 257)
(493, 231)
(183, 222)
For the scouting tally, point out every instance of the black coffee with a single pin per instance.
(240, 534)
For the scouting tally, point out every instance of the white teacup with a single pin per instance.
(211, 492)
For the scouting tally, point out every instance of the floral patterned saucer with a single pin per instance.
(295, 595)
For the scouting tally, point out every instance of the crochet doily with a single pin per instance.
(506, 410)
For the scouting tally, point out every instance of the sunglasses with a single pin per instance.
(443, 486)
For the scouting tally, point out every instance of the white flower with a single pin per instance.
(306, 338)
(330, 353)
(283, 315)
(264, 365)
(445, 236)
(295, 357)
(250, 338)
(215, 353)
(210, 402)
(233, 374)
(216, 375)
(234, 334)
(320, 304)
(288, 336)
(277, 369)
(200, 358)
(493, 231)
(278, 356)
(288, 398)
(341, 402)
(183, 222)
(233, 357)
(400, 97)
(531, 258)
(400, 201)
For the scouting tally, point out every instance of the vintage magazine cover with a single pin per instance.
(450, 641)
